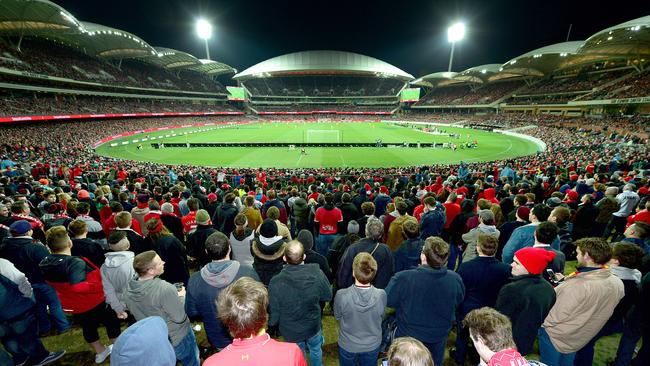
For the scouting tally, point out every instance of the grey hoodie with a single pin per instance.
(359, 312)
(159, 298)
(471, 237)
(117, 271)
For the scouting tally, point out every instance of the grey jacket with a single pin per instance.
(117, 271)
(359, 312)
(160, 298)
(471, 238)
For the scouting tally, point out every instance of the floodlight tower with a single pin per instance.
(204, 31)
(455, 33)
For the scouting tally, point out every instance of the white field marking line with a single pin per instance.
(497, 154)
(342, 159)
(299, 159)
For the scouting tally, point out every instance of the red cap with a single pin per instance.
(535, 260)
(212, 197)
(383, 190)
(83, 194)
(523, 212)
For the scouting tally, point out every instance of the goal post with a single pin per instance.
(323, 136)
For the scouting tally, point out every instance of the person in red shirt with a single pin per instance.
(451, 209)
(242, 309)
(109, 224)
(643, 215)
(189, 220)
(328, 218)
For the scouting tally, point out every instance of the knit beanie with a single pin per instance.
(523, 212)
(535, 260)
(269, 229)
(202, 217)
(306, 238)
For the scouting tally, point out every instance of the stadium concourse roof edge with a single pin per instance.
(626, 41)
(45, 19)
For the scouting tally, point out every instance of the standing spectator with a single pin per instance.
(528, 298)
(368, 211)
(408, 351)
(78, 284)
(545, 233)
(627, 200)
(306, 238)
(328, 217)
(252, 214)
(408, 254)
(283, 230)
(137, 243)
(21, 250)
(506, 230)
(224, 217)
(381, 201)
(171, 250)
(141, 210)
(302, 287)
(359, 310)
(94, 228)
(349, 212)
(144, 343)
(242, 309)
(189, 220)
(606, 207)
(584, 303)
(395, 235)
(483, 278)
(117, 271)
(428, 292)
(84, 247)
(524, 237)
(147, 295)
(18, 324)
(583, 221)
(205, 285)
(433, 218)
(273, 201)
(486, 226)
(268, 250)
(196, 239)
(171, 221)
(370, 244)
(241, 240)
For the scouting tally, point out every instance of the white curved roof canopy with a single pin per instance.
(544, 60)
(323, 61)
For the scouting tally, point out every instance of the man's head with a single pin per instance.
(193, 204)
(294, 253)
(78, 228)
(217, 246)
(57, 239)
(627, 255)
(531, 261)
(638, 230)
(486, 217)
(374, 230)
(364, 268)
(123, 220)
(487, 244)
(21, 228)
(593, 252)
(546, 232)
(401, 207)
(435, 252)
(20, 207)
(118, 242)
(148, 264)
(560, 215)
(242, 307)
(83, 208)
(407, 351)
(411, 228)
(368, 208)
(490, 331)
(539, 213)
(273, 213)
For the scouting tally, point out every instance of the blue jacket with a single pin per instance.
(408, 254)
(204, 288)
(483, 278)
(432, 222)
(523, 237)
(13, 304)
(425, 299)
(381, 201)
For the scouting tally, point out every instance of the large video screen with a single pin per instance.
(236, 93)
(410, 95)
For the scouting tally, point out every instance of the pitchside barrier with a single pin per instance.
(294, 145)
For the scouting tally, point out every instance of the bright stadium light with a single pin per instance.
(455, 33)
(204, 31)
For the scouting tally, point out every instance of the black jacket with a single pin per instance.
(527, 301)
(314, 257)
(224, 218)
(138, 244)
(267, 259)
(196, 243)
(350, 213)
(25, 255)
(89, 249)
(383, 256)
(483, 278)
(174, 225)
(172, 252)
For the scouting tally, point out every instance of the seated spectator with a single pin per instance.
(144, 343)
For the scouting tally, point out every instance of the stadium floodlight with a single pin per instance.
(204, 31)
(455, 33)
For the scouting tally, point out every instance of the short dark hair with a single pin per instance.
(364, 267)
(494, 328)
(193, 204)
(521, 199)
(541, 211)
(562, 214)
(77, 227)
(436, 251)
(401, 207)
(488, 244)
(242, 307)
(57, 238)
(142, 262)
(597, 248)
(642, 229)
(328, 197)
(546, 232)
(411, 228)
(628, 255)
(368, 208)
(83, 208)
(217, 245)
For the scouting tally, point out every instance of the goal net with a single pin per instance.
(323, 136)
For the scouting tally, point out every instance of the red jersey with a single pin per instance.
(328, 220)
(258, 351)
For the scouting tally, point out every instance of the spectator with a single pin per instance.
(116, 272)
(506, 230)
(523, 237)
(242, 309)
(485, 226)
(268, 250)
(307, 240)
(328, 218)
(144, 343)
(224, 217)
(205, 285)
(408, 351)
(340, 245)
(84, 247)
(368, 210)
(171, 221)
(241, 240)
(141, 210)
(544, 234)
(170, 250)
(627, 200)
(408, 254)
(137, 244)
(197, 237)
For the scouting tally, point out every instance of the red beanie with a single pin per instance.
(535, 260)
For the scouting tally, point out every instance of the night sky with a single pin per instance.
(410, 34)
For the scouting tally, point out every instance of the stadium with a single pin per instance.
(97, 122)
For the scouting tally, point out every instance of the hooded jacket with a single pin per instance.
(76, 280)
(133, 347)
(240, 245)
(158, 297)
(471, 238)
(196, 243)
(301, 213)
(359, 312)
(25, 255)
(204, 288)
(116, 272)
(267, 259)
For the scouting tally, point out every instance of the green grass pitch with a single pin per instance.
(491, 146)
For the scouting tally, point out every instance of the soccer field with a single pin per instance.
(491, 146)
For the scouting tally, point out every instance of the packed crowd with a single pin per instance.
(48, 58)
(339, 107)
(49, 104)
(325, 86)
(465, 95)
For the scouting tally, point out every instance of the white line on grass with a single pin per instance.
(299, 159)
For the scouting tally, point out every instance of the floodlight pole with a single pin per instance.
(451, 56)
(207, 49)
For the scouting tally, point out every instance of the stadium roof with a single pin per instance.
(435, 79)
(478, 74)
(312, 61)
(169, 58)
(213, 68)
(542, 61)
(34, 17)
